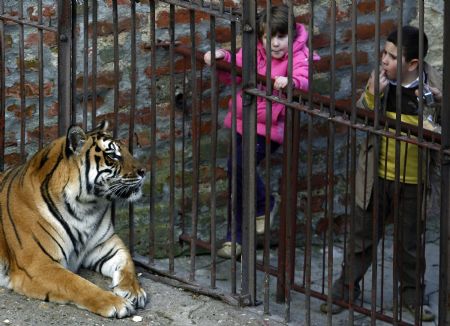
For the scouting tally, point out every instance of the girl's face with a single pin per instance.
(389, 61)
(279, 45)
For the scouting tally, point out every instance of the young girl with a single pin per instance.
(279, 71)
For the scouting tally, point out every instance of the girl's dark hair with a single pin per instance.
(410, 42)
(280, 22)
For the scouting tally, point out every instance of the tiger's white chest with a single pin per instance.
(82, 225)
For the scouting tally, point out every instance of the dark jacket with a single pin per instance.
(366, 155)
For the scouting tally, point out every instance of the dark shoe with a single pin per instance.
(335, 309)
(426, 314)
(340, 293)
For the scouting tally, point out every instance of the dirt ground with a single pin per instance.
(168, 306)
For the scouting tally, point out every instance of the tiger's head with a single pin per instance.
(107, 169)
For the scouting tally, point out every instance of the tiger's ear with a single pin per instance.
(101, 127)
(75, 140)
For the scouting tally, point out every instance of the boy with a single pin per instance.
(408, 214)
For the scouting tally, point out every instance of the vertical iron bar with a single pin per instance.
(249, 146)
(85, 62)
(116, 67)
(64, 65)
(233, 157)
(195, 147)
(41, 76)
(375, 190)
(308, 247)
(2, 88)
(289, 190)
(94, 63)
(132, 117)
(73, 49)
(172, 141)
(116, 84)
(269, 91)
(153, 130)
(22, 84)
(214, 118)
(444, 244)
(420, 213)
(353, 157)
(397, 230)
(330, 160)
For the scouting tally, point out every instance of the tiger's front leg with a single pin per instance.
(50, 281)
(112, 259)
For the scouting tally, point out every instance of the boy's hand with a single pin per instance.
(437, 94)
(220, 54)
(280, 82)
(383, 82)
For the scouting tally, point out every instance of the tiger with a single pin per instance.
(55, 218)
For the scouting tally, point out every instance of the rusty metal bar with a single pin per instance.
(214, 124)
(290, 191)
(396, 278)
(249, 146)
(85, 62)
(133, 81)
(321, 101)
(39, 26)
(186, 283)
(353, 157)
(444, 243)
(74, 63)
(182, 211)
(94, 62)
(195, 148)
(421, 188)
(375, 190)
(64, 64)
(229, 14)
(22, 85)
(41, 77)
(153, 155)
(115, 18)
(269, 91)
(233, 198)
(2, 87)
(172, 143)
(330, 161)
(116, 67)
(308, 213)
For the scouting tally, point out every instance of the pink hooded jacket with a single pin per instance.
(279, 68)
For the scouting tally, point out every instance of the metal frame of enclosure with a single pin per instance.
(303, 109)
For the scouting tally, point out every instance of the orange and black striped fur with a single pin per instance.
(55, 218)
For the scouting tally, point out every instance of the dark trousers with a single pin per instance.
(260, 186)
(406, 242)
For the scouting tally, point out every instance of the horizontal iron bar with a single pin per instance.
(229, 15)
(319, 113)
(318, 100)
(28, 23)
(184, 283)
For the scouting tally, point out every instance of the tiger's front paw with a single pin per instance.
(115, 307)
(136, 295)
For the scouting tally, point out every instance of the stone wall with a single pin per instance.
(106, 99)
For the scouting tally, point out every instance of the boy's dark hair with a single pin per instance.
(410, 42)
(280, 22)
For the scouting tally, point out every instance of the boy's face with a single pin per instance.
(389, 61)
(279, 45)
